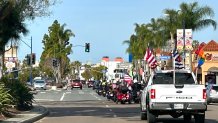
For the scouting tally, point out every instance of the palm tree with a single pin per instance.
(170, 24)
(64, 49)
(197, 17)
(194, 16)
(55, 47)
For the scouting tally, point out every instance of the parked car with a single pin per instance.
(212, 94)
(39, 84)
(90, 84)
(76, 84)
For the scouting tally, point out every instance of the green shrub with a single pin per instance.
(5, 98)
(22, 97)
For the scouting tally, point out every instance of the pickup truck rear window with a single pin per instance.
(215, 88)
(167, 78)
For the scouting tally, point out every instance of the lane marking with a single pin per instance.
(62, 97)
(68, 92)
(107, 106)
(43, 100)
(42, 92)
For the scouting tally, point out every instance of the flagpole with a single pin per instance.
(174, 70)
(196, 73)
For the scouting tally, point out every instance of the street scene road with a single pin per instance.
(83, 106)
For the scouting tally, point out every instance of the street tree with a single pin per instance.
(14, 13)
(55, 48)
(97, 72)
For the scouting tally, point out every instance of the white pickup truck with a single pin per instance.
(179, 96)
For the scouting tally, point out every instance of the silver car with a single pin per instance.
(39, 84)
(212, 94)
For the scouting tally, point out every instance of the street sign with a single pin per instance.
(165, 57)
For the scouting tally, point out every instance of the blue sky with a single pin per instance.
(105, 25)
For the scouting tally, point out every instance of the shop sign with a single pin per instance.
(214, 57)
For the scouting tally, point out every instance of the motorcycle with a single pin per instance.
(110, 95)
(104, 93)
(123, 98)
(136, 96)
(99, 92)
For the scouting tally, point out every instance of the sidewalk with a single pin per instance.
(31, 116)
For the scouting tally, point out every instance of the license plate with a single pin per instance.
(178, 106)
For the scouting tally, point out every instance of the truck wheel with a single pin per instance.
(199, 118)
(151, 118)
(143, 116)
(187, 117)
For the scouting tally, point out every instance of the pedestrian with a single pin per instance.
(209, 85)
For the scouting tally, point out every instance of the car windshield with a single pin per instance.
(167, 78)
(39, 81)
(91, 82)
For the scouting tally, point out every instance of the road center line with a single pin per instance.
(62, 97)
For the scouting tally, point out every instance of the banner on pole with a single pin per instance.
(188, 39)
(180, 42)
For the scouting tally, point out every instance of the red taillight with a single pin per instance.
(204, 94)
(152, 93)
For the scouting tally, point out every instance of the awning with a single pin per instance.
(213, 69)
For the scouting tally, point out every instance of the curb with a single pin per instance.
(38, 117)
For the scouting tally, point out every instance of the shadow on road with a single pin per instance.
(98, 109)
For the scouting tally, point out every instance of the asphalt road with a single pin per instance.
(85, 106)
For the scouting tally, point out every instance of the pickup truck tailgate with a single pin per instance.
(187, 93)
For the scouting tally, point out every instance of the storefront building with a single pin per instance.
(210, 67)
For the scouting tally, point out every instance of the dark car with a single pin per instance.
(76, 84)
(90, 84)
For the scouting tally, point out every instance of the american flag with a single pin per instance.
(178, 60)
(127, 79)
(149, 57)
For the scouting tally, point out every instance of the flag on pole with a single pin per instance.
(127, 79)
(200, 53)
(178, 60)
(150, 59)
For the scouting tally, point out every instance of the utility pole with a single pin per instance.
(31, 65)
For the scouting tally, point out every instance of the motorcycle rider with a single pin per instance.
(136, 87)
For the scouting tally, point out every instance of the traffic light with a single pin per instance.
(54, 62)
(87, 47)
(28, 59)
(33, 58)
